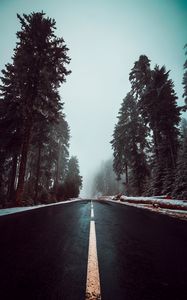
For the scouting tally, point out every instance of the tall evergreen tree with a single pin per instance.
(11, 133)
(140, 76)
(47, 158)
(180, 183)
(129, 145)
(73, 180)
(62, 150)
(39, 68)
(146, 135)
(185, 78)
(158, 107)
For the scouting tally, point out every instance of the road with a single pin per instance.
(44, 253)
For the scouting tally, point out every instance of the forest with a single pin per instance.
(34, 133)
(149, 140)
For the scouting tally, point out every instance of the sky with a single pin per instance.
(104, 38)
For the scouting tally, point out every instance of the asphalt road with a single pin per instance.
(43, 253)
(142, 255)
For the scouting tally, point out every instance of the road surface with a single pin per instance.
(44, 253)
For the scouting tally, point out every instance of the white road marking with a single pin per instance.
(92, 213)
(93, 290)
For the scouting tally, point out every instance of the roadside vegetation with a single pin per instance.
(150, 138)
(34, 133)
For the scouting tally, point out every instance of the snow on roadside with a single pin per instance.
(173, 207)
(176, 213)
(155, 201)
(13, 210)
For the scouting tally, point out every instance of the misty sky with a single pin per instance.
(105, 38)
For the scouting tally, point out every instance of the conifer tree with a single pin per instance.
(156, 103)
(47, 158)
(185, 78)
(145, 139)
(39, 68)
(163, 115)
(140, 76)
(129, 145)
(11, 132)
(180, 183)
(73, 180)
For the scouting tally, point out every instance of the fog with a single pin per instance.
(105, 38)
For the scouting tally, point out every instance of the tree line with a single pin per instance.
(34, 133)
(104, 180)
(150, 139)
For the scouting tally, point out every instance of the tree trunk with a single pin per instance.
(155, 139)
(172, 156)
(23, 162)
(37, 173)
(126, 172)
(57, 167)
(11, 189)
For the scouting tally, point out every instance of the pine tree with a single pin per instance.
(39, 68)
(47, 158)
(185, 79)
(157, 175)
(156, 103)
(129, 145)
(180, 184)
(159, 103)
(73, 180)
(62, 137)
(140, 76)
(11, 132)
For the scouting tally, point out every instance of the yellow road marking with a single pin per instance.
(93, 290)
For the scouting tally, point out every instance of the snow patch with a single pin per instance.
(173, 207)
(13, 210)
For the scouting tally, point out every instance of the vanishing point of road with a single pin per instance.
(44, 253)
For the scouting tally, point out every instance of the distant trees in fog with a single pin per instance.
(34, 133)
(73, 181)
(149, 144)
(104, 181)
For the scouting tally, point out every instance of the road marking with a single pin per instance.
(92, 213)
(93, 291)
